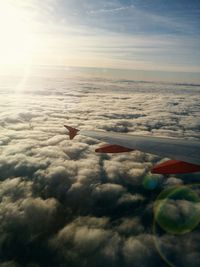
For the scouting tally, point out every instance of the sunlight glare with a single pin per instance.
(17, 36)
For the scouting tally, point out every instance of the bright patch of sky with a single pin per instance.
(125, 34)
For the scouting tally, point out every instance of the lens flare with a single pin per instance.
(177, 210)
(150, 182)
(176, 220)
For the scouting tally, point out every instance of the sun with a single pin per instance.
(17, 35)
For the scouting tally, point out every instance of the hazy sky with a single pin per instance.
(126, 34)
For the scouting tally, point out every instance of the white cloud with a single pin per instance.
(60, 197)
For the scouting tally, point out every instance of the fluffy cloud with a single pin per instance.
(62, 204)
(88, 241)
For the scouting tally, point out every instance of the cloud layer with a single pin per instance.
(62, 204)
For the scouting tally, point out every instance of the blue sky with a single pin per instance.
(128, 34)
(135, 17)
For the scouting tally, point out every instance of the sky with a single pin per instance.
(120, 34)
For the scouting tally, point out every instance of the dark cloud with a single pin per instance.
(63, 205)
(88, 241)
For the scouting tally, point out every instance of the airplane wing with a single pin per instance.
(184, 154)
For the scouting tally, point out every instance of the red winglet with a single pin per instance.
(72, 131)
(175, 167)
(112, 149)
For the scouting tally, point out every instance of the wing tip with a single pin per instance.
(175, 167)
(72, 131)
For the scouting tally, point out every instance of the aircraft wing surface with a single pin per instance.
(185, 153)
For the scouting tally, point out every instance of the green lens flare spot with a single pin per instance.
(150, 182)
(177, 210)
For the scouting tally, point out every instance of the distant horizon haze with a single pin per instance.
(109, 73)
